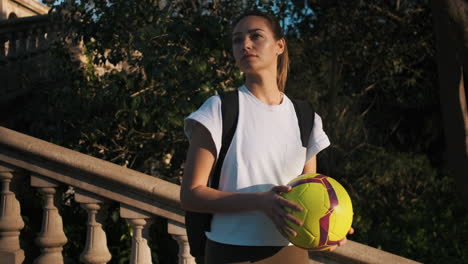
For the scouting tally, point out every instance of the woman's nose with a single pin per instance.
(246, 44)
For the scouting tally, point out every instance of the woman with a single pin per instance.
(266, 152)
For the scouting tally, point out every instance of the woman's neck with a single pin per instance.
(264, 88)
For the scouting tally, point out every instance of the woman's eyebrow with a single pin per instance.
(249, 31)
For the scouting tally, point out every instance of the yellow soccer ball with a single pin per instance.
(327, 214)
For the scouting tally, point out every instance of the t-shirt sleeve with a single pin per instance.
(209, 115)
(318, 140)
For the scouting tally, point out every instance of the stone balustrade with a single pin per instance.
(96, 183)
(23, 53)
(26, 36)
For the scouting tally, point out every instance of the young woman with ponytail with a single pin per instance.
(266, 152)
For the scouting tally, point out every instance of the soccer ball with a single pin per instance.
(327, 214)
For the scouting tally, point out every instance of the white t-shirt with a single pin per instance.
(266, 151)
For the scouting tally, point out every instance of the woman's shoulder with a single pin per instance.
(213, 100)
(212, 104)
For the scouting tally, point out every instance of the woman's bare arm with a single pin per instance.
(195, 195)
(310, 166)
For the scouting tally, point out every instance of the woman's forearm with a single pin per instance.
(208, 200)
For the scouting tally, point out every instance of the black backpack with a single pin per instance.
(198, 223)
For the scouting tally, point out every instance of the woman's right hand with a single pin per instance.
(274, 206)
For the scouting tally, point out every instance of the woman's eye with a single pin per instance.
(255, 36)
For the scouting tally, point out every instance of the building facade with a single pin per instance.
(21, 8)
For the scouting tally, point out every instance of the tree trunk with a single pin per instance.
(451, 30)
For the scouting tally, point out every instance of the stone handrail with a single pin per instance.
(357, 253)
(22, 23)
(96, 181)
(91, 174)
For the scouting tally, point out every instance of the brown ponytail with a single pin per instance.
(283, 59)
(282, 69)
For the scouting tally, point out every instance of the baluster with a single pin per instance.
(30, 43)
(96, 251)
(11, 45)
(140, 222)
(179, 234)
(28, 63)
(2, 48)
(34, 41)
(11, 222)
(41, 41)
(21, 50)
(52, 238)
(52, 34)
(40, 63)
(14, 66)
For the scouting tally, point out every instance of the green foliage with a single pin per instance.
(372, 78)
(368, 67)
(172, 62)
(405, 205)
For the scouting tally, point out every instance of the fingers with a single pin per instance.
(345, 239)
(342, 242)
(283, 227)
(291, 231)
(284, 202)
(279, 210)
(280, 225)
(283, 214)
(332, 248)
(288, 204)
(293, 219)
(282, 222)
(286, 215)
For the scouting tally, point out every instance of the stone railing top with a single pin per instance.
(135, 189)
(23, 23)
(357, 253)
(142, 191)
(34, 6)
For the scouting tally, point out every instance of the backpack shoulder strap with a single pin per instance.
(305, 117)
(230, 115)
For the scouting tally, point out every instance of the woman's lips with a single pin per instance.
(248, 56)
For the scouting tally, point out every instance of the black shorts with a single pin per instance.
(218, 253)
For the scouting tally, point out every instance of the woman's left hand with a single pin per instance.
(343, 241)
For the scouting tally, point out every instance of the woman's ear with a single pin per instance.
(280, 45)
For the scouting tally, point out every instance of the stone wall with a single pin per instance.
(21, 8)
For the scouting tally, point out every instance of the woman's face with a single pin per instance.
(254, 46)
